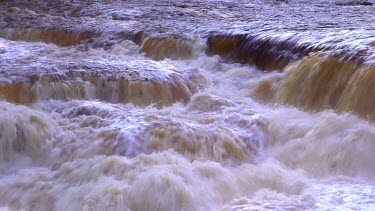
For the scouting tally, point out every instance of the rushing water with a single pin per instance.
(187, 105)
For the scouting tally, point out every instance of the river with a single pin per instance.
(187, 105)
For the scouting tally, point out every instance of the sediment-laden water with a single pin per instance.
(187, 105)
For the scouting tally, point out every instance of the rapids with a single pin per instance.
(187, 105)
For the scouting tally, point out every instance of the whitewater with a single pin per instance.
(187, 105)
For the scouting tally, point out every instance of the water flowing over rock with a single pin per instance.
(329, 82)
(263, 52)
(63, 38)
(187, 105)
(142, 83)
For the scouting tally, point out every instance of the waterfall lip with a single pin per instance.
(33, 71)
(30, 62)
(61, 37)
(275, 51)
(138, 20)
(329, 82)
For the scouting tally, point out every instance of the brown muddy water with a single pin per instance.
(187, 105)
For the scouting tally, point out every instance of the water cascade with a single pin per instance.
(187, 105)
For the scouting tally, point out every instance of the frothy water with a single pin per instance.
(187, 105)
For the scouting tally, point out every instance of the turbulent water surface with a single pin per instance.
(187, 105)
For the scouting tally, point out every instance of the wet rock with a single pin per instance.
(354, 3)
(12, 9)
(183, 6)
